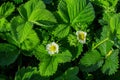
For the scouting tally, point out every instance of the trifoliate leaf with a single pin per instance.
(22, 34)
(70, 74)
(4, 25)
(20, 29)
(61, 31)
(90, 58)
(8, 54)
(6, 9)
(111, 62)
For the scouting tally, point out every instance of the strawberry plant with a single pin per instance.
(59, 39)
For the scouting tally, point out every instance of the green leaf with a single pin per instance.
(35, 12)
(90, 58)
(48, 66)
(6, 9)
(61, 31)
(111, 63)
(20, 28)
(31, 41)
(22, 34)
(63, 57)
(78, 51)
(105, 47)
(92, 67)
(70, 74)
(106, 3)
(105, 33)
(114, 23)
(80, 11)
(40, 53)
(8, 54)
(4, 25)
(29, 73)
(62, 11)
(72, 40)
(76, 11)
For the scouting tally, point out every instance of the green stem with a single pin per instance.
(100, 43)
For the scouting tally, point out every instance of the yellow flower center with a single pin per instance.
(53, 48)
(81, 36)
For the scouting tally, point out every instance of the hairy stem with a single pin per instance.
(100, 43)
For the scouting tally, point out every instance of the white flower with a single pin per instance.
(81, 36)
(52, 48)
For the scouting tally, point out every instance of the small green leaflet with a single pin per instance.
(111, 63)
(62, 11)
(48, 64)
(8, 54)
(24, 72)
(61, 31)
(29, 73)
(4, 25)
(105, 47)
(69, 74)
(20, 28)
(6, 9)
(31, 41)
(35, 12)
(63, 57)
(90, 58)
(115, 25)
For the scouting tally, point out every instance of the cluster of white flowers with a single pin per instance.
(81, 36)
(53, 48)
